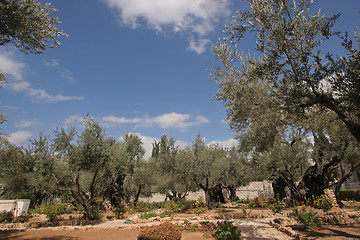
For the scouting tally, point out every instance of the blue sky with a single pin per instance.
(137, 66)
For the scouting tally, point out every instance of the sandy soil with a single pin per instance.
(250, 229)
(254, 224)
(90, 234)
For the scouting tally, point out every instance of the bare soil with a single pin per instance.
(253, 223)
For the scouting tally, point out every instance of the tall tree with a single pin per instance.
(169, 165)
(213, 169)
(82, 164)
(126, 165)
(292, 83)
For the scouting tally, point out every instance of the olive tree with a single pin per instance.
(169, 165)
(291, 84)
(29, 26)
(82, 163)
(125, 171)
(26, 172)
(213, 169)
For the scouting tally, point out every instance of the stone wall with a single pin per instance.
(252, 190)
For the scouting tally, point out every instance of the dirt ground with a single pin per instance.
(254, 224)
(90, 234)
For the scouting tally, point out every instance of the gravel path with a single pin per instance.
(259, 229)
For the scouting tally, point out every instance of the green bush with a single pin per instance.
(6, 217)
(141, 207)
(256, 202)
(119, 211)
(307, 218)
(351, 194)
(164, 231)
(53, 210)
(23, 218)
(96, 209)
(276, 205)
(226, 231)
(322, 202)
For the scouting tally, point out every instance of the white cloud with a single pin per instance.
(24, 123)
(147, 143)
(42, 95)
(122, 120)
(165, 121)
(19, 137)
(199, 46)
(9, 66)
(15, 69)
(191, 17)
(18, 86)
(226, 143)
(52, 63)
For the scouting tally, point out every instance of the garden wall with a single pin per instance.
(18, 206)
(252, 190)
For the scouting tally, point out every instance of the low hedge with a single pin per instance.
(350, 194)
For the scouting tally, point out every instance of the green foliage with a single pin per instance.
(148, 215)
(323, 203)
(226, 231)
(307, 217)
(6, 217)
(23, 218)
(350, 194)
(164, 231)
(241, 201)
(276, 205)
(256, 202)
(119, 211)
(28, 25)
(53, 210)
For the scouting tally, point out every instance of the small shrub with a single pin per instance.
(226, 231)
(23, 218)
(95, 210)
(307, 218)
(218, 205)
(276, 205)
(256, 202)
(322, 202)
(141, 207)
(198, 211)
(6, 217)
(350, 194)
(119, 211)
(164, 231)
(53, 210)
(147, 215)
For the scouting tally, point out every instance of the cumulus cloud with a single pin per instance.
(10, 66)
(199, 46)
(165, 121)
(19, 137)
(147, 143)
(189, 17)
